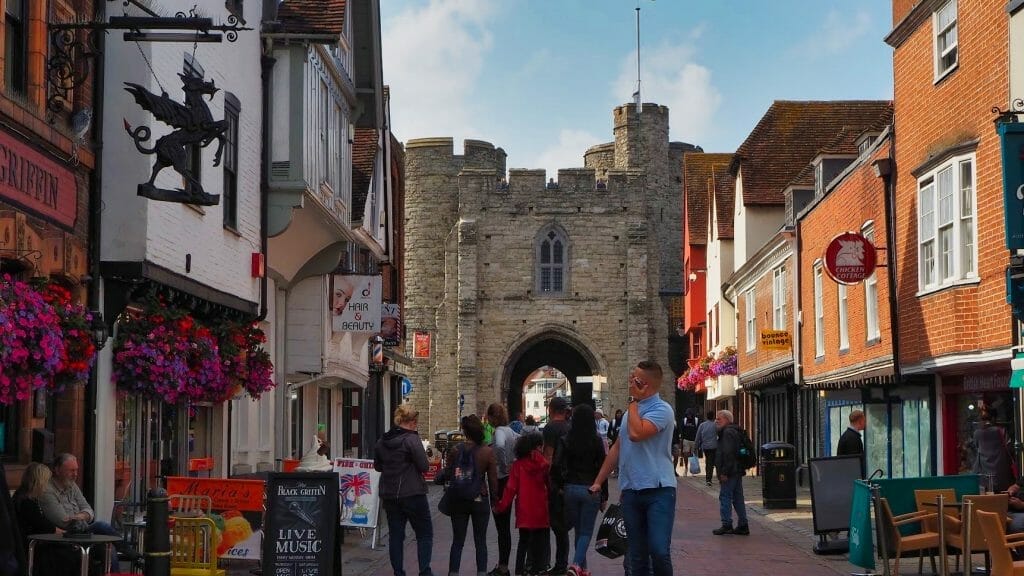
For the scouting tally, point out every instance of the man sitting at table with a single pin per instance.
(63, 503)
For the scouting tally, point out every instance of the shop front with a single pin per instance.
(45, 367)
(966, 398)
(769, 397)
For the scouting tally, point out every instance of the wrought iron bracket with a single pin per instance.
(1009, 115)
(74, 44)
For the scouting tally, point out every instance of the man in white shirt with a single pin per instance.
(602, 427)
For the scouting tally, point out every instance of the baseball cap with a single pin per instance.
(558, 404)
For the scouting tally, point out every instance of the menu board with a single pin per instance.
(301, 527)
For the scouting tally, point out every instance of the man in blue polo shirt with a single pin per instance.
(647, 477)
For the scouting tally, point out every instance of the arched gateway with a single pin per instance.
(507, 272)
(549, 346)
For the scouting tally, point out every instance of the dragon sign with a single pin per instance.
(193, 126)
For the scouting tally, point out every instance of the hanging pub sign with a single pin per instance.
(391, 323)
(850, 258)
(355, 303)
(193, 125)
(30, 179)
(1011, 137)
(301, 529)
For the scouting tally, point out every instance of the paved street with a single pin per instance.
(780, 541)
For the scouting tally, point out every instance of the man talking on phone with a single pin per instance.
(647, 477)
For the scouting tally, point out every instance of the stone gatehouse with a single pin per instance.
(508, 275)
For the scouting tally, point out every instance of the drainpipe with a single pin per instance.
(884, 168)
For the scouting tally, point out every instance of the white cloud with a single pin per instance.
(433, 57)
(837, 33)
(671, 76)
(567, 152)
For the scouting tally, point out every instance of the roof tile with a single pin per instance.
(791, 134)
(697, 180)
(725, 200)
(312, 16)
(364, 154)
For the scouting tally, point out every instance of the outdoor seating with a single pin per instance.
(899, 543)
(193, 551)
(190, 505)
(924, 500)
(955, 536)
(999, 544)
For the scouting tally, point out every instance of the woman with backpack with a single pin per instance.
(504, 447)
(401, 460)
(470, 496)
(577, 462)
(528, 486)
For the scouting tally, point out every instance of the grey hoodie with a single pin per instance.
(401, 461)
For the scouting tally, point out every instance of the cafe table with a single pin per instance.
(966, 513)
(82, 542)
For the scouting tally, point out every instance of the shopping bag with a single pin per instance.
(611, 534)
(694, 464)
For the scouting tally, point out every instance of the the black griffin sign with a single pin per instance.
(193, 126)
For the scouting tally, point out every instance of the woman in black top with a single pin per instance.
(577, 461)
(49, 559)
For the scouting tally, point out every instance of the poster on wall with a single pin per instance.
(391, 323)
(356, 303)
(421, 345)
(358, 492)
(236, 509)
(302, 524)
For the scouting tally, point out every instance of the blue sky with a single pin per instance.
(540, 77)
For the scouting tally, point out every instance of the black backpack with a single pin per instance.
(465, 482)
(746, 455)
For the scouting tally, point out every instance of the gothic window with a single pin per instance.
(552, 261)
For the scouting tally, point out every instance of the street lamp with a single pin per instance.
(99, 330)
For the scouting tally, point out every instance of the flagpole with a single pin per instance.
(637, 97)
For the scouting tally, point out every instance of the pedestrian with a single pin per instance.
(643, 453)
(687, 437)
(556, 428)
(578, 460)
(851, 443)
(480, 458)
(528, 485)
(992, 449)
(517, 424)
(530, 425)
(401, 460)
(706, 444)
(615, 425)
(504, 450)
(602, 426)
(730, 476)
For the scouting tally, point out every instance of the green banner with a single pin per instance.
(900, 494)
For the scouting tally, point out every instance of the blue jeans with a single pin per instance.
(649, 515)
(416, 511)
(580, 514)
(730, 495)
(480, 512)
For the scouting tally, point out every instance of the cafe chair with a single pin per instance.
(924, 501)
(993, 526)
(955, 536)
(900, 543)
(193, 548)
(190, 505)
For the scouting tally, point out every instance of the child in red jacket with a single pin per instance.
(528, 484)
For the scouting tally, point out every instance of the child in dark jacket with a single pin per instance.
(528, 485)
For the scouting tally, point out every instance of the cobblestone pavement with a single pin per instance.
(780, 543)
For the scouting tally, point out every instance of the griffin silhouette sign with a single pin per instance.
(850, 258)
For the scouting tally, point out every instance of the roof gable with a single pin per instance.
(724, 191)
(698, 168)
(364, 154)
(791, 134)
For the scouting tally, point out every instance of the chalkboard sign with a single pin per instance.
(300, 535)
(832, 491)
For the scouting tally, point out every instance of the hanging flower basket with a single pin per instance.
(245, 363)
(31, 341)
(79, 352)
(708, 367)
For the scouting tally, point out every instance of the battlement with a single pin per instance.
(441, 153)
(627, 112)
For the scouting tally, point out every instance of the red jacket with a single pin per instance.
(528, 480)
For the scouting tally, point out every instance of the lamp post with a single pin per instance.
(100, 333)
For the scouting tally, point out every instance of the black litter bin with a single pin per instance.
(778, 475)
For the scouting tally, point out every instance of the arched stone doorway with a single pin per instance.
(552, 348)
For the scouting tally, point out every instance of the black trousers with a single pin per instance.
(503, 524)
(532, 551)
(709, 464)
(560, 528)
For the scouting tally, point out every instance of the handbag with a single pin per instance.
(694, 464)
(444, 506)
(611, 534)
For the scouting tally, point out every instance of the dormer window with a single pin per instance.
(819, 178)
(865, 143)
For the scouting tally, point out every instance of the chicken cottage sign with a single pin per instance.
(850, 258)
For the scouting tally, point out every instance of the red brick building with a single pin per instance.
(955, 328)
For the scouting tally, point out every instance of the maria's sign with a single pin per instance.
(301, 530)
(37, 183)
(850, 258)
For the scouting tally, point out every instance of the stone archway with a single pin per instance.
(552, 347)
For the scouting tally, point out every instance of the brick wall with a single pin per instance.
(931, 117)
(751, 360)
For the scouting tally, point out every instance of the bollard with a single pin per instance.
(158, 537)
